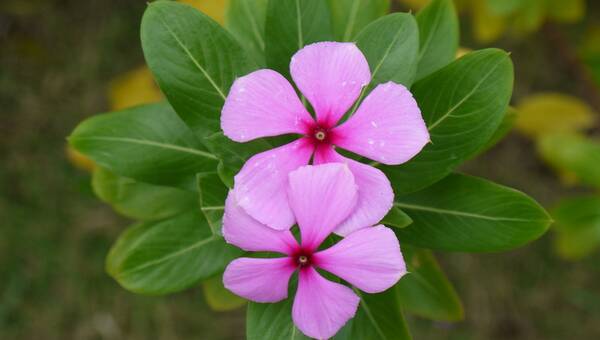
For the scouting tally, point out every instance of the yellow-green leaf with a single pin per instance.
(218, 297)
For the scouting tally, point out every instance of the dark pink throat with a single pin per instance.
(303, 258)
(320, 134)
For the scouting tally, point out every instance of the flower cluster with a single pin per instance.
(277, 189)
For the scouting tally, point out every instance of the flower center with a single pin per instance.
(320, 135)
(303, 260)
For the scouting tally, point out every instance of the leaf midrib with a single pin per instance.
(153, 143)
(351, 20)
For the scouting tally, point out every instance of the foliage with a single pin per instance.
(168, 165)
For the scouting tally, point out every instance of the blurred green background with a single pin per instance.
(58, 63)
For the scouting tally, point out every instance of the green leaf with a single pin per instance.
(271, 321)
(390, 45)
(233, 155)
(463, 105)
(425, 291)
(147, 143)
(350, 16)
(141, 201)
(291, 25)
(218, 297)
(510, 116)
(212, 200)
(379, 317)
(168, 256)
(194, 61)
(396, 218)
(574, 154)
(439, 36)
(577, 226)
(246, 21)
(464, 213)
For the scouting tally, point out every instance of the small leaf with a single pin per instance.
(379, 317)
(425, 290)
(573, 154)
(168, 256)
(291, 25)
(147, 143)
(246, 21)
(218, 297)
(464, 213)
(463, 105)
(547, 113)
(194, 60)
(487, 26)
(390, 45)
(438, 35)
(212, 200)
(396, 218)
(141, 201)
(350, 16)
(577, 226)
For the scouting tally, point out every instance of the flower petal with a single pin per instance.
(369, 259)
(247, 233)
(331, 76)
(260, 280)
(375, 194)
(322, 307)
(321, 198)
(261, 186)
(387, 127)
(262, 103)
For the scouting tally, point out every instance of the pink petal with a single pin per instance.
(260, 280)
(375, 194)
(387, 127)
(245, 232)
(262, 103)
(261, 186)
(369, 259)
(322, 307)
(321, 198)
(331, 76)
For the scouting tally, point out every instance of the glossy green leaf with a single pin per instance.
(291, 25)
(391, 45)
(573, 154)
(577, 226)
(271, 321)
(138, 200)
(463, 105)
(147, 143)
(218, 297)
(396, 218)
(350, 16)
(246, 21)
(212, 193)
(464, 213)
(379, 317)
(438, 35)
(425, 291)
(169, 255)
(194, 61)
(510, 116)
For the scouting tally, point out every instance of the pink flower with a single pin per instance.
(321, 197)
(387, 128)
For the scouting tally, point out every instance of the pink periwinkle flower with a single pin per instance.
(320, 197)
(387, 127)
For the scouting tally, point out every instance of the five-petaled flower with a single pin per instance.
(321, 197)
(387, 127)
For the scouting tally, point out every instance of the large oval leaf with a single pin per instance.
(438, 35)
(350, 16)
(168, 256)
(194, 61)
(464, 213)
(463, 104)
(291, 25)
(425, 291)
(138, 200)
(246, 21)
(147, 143)
(391, 45)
